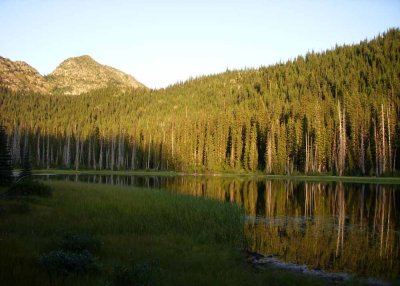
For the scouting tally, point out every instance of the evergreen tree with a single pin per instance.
(6, 175)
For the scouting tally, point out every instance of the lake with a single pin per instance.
(333, 226)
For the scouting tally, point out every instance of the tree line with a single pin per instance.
(333, 112)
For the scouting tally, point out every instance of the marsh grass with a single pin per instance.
(193, 241)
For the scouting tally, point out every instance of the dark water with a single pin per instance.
(338, 227)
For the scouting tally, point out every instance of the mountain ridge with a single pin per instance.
(20, 76)
(73, 76)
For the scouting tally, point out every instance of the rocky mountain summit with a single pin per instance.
(72, 77)
(82, 74)
(19, 76)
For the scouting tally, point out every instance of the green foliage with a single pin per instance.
(66, 262)
(29, 188)
(73, 256)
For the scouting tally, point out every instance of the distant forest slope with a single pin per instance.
(332, 112)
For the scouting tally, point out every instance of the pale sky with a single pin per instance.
(163, 42)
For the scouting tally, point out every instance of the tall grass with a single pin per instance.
(193, 241)
(120, 210)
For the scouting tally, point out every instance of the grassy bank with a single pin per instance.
(106, 172)
(191, 241)
(308, 178)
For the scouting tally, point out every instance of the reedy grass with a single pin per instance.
(194, 241)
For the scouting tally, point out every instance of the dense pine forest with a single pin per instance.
(334, 112)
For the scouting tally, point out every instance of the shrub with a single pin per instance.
(66, 262)
(73, 255)
(29, 188)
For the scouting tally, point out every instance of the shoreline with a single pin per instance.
(305, 178)
(262, 261)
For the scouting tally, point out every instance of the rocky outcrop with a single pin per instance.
(19, 76)
(82, 74)
(72, 77)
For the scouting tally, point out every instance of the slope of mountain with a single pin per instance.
(73, 76)
(83, 74)
(19, 76)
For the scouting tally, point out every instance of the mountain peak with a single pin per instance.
(84, 59)
(81, 74)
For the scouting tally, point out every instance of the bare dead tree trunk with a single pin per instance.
(377, 151)
(68, 157)
(101, 154)
(172, 143)
(107, 156)
(89, 152)
(383, 141)
(81, 158)
(362, 152)
(94, 157)
(133, 157)
(307, 155)
(148, 155)
(342, 140)
(38, 149)
(48, 152)
(112, 152)
(26, 144)
(270, 146)
(389, 141)
(77, 153)
(334, 155)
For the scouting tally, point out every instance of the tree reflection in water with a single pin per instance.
(333, 226)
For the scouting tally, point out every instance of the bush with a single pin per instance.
(79, 242)
(73, 255)
(66, 262)
(138, 274)
(29, 188)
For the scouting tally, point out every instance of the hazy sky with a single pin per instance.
(162, 42)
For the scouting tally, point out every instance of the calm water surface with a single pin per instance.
(338, 227)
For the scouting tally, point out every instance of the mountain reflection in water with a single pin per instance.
(340, 227)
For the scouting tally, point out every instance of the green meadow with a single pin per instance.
(166, 238)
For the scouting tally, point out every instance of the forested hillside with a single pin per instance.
(332, 112)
